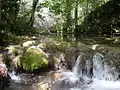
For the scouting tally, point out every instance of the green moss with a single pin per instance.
(54, 46)
(34, 59)
(63, 46)
(51, 46)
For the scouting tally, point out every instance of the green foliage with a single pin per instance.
(71, 13)
(34, 59)
(63, 46)
(51, 46)
(15, 19)
(93, 17)
(103, 20)
(62, 9)
(57, 45)
(8, 13)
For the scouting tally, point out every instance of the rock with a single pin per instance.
(12, 57)
(54, 61)
(3, 68)
(11, 49)
(63, 46)
(44, 86)
(93, 47)
(51, 46)
(34, 58)
(28, 43)
(61, 62)
(14, 50)
(70, 56)
(7, 59)
(97, 47)
(4, 82)
(41, 45)
(81, 65)
(57, 60)
(16, 61)
(58, 75)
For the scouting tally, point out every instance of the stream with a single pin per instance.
(86, 74)
(101, 77)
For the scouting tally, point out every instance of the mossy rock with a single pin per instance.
(51, 46)
(63, 46)
(34, 59)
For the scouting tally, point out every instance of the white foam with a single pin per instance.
(14, 77)
(105, 85)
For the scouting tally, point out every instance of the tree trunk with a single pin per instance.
(76, 32)
(67, 25)
(0, 10)
(76, 14)
(35, 2)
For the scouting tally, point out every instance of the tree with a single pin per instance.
(76, 19)
(8, 13)
(35, 2)
(103, 20)
(72, 12)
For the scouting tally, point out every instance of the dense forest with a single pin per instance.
(96, 18)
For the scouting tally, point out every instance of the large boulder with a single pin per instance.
(33, 59)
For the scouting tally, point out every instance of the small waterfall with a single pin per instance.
(95, 68)
(110, 73)
(83, 66)
(104, 77)
(78, 69)
(98, 66)
(10, 75)
(89, 68)
(101, 70)
(14, 77)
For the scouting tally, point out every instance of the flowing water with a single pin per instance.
(14, 77)
(26, 81)
(101, 77)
